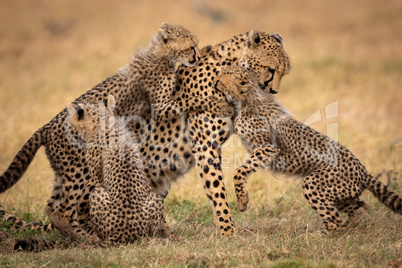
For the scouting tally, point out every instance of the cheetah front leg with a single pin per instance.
(173, 109)
(212, 178)
(260, 159)
(207, 134)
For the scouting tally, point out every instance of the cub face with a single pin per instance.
(86, 118)
(236, 83)
(181, 45)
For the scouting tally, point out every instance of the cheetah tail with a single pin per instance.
(21, 224)
(383, 194)
(21, 161)
(40, 244)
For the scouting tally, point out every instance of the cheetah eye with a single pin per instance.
(244, 90)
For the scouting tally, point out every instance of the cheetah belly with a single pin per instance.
(165, 152)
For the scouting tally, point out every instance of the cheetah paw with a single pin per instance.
(242, 202)
(229, 232)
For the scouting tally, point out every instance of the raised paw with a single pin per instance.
(242, 201)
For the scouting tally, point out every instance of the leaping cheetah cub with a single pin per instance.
(333, 179)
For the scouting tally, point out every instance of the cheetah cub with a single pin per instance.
(333, 178)
(122, 205)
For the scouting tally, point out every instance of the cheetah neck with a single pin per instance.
(261, 103)
(230, 49)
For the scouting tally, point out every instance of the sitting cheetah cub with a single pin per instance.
(333, 178)
(122, 205)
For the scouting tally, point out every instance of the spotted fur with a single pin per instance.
(168, 148)
(333, 178)
(148, 78)
(122, 205)
(21, 224)
(172, 148)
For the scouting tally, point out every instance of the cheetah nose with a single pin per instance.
(272, 91)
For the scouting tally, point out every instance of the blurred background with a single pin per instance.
(343, 51)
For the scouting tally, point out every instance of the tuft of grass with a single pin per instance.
(283, 240)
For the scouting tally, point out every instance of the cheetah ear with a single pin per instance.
(163, 35)
(75, 111)
(165, 26)
(71, 110)
(70, 107)
(111, 103)
(253, 39)
(206, 49)
(277, 37)
(164, 32)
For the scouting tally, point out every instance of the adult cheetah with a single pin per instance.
(122, 205)
(148, 78)
(171, 148)
(333, 178)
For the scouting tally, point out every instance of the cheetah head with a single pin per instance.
(180, 44)
(236, 83)
(85, 118)
(264, 55)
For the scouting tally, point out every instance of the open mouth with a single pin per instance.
(264, 86)
(272, 91)
(193, 61)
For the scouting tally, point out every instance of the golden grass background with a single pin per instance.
(347, 51)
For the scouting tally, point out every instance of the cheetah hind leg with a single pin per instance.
(326, 209)
(100, 204)
(355, 212)
(83, 216)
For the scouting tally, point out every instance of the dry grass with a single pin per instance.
(53, 51)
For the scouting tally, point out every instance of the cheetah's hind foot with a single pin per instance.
(357, 215)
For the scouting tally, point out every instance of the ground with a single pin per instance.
(346, 70)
